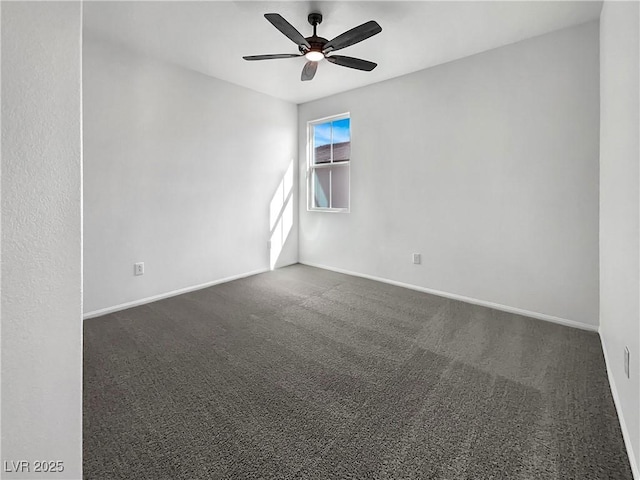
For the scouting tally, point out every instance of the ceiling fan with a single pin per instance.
(316, 48)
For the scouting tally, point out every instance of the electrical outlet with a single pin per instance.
(138, 268)
(416, 258)
(626, 361)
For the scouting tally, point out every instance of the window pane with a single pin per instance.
(341, 151)
(322, 143)
(341, 130)
(340, 186)
(321, 188)
(341, 140)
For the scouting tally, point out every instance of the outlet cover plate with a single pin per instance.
(138, 268)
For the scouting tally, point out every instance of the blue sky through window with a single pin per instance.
(322, 132)
(341, 131)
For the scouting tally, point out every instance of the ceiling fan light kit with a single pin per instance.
(314, 55)
(315, 48)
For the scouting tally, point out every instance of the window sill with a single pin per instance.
(329, 210)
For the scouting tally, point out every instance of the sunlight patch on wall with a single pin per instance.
(281, 216)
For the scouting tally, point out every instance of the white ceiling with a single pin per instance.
(211, 37)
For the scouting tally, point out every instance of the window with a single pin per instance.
(329, 156)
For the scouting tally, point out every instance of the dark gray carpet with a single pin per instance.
(304, 373)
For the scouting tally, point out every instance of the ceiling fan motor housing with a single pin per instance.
(316, 43)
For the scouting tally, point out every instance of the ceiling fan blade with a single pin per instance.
(353, 36)
(287, 29)
(309, 71)
(272, 57)
(352, 62)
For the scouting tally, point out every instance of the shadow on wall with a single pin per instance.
(280, 216)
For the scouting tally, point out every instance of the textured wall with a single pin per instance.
(488, 166)
(620, 207)
(180, 170)
(41, 236)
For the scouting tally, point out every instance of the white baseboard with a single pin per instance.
(462, 298)
(616, 400)
(135, 303)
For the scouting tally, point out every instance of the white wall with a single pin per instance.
(41, 236)
(179, 173)
(487, 166)
(620, 209)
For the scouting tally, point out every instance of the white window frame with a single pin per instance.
(311, 167)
